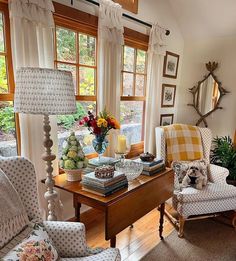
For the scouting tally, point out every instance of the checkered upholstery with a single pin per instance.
(183, 142)
(217, 196)
(69, 238)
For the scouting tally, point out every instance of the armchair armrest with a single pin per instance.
(218, 174)
(68, 238)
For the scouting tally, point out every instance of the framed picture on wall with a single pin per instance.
(168, 95)
(171, 63)
(166, 119)
(130, 5)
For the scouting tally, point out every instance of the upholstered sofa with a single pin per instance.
(67, 237)
(216, 197)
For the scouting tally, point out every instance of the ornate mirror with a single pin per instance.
(207, 94)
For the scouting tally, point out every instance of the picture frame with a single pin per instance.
(166, 119)
(129, 5)
(168, 95)
(171, 64)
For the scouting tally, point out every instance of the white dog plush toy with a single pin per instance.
(194, 177)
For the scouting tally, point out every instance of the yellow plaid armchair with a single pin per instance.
(217, 196)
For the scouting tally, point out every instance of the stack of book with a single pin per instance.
(93, 163)
(152, 168)
(104, 187)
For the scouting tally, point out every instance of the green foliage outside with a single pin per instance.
(3, 73)
(66, 49)
(3, 76)
(87, 81)
(129, 60)
(87, 49)
(7, 121)
(68, 121)
(224, 154)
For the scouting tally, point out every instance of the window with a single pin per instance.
(8, 145)
(76, 52)
(133, 91)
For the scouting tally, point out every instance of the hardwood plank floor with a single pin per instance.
(134, 242)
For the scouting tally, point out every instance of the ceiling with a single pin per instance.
(205, 18)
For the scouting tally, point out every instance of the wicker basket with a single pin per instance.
(73, 174)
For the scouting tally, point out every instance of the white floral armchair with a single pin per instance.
(68, 237)
(216, 197)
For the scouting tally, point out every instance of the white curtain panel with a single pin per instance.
(156, 52)
(110, 41)
(32, 27)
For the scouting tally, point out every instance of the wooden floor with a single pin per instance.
(133, 243)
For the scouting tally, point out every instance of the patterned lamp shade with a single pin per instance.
(44, 91)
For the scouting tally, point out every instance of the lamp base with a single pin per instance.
(51, 195)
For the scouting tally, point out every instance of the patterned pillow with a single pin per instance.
(37, 246)
(180, 167)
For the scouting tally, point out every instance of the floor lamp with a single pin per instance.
(45, 92)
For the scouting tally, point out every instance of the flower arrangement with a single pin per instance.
(101, 124)
(72, 155)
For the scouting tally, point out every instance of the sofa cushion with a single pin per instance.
(36, 246)
(211, 191)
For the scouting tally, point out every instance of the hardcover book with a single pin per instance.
(149, 164)
(151, 173)
(91, 177)
(104, 161)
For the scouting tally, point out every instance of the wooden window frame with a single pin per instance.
(10, 74)
(66, 16)
(137, 148)
(77, 28)
(75, 20)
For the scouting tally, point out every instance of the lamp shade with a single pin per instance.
(44, 91)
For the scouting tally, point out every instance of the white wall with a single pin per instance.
(197, 52)
(150, 11)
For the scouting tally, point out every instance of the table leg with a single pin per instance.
(113, 241)
(77, 211)
(162, 210)
(77, 206)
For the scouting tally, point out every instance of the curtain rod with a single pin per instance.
(126, 16)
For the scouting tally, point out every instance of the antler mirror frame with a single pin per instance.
(207, 94)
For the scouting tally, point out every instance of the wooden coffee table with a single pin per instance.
(126, 206)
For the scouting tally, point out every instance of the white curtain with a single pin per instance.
(32, 27)
(110, 41)
(156, 52)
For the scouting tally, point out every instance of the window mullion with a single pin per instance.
(135, 64)
(77, 63)
(122, 74)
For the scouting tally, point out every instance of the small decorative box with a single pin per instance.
(104, 172)
(147, 157)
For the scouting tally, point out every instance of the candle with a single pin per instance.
(121, 144)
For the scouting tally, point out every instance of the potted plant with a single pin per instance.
(73, 159)
(224, 154)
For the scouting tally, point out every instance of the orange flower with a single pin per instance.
(115, 123)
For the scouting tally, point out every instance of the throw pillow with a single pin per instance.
(37, 246)
(13, 217)
(181, 167)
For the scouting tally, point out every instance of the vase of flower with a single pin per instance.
(100, 126)
(100, 144)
